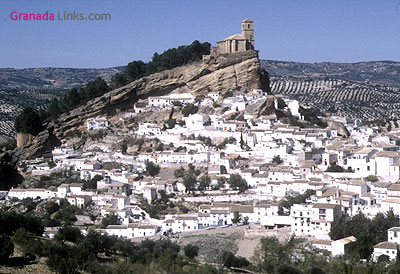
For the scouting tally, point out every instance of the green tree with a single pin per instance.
(110, 219)
(171, 123)
(66, 213)
(11, 221)
(6, 248)
(179, 172)
(124, 147)
(69, 234)
(51, 207)
(227, 94)
(221, 181)
(152, 169)
(293, 197)
(368, 232)
(73, 98)
(118, 80)
(54, 109)
(288, 269)
(237, 182)
(31, 247)
(28, 121)
(189, 109)
(205, 182)
(135, 70)
(92, 183)
(95, 88)
(191, 251)
(270, 254)
(371, 178)
(189, 181)
(64, 258)
(242, 144)
(228, 259)
(277, 160)
(237, 218)
(335, 168)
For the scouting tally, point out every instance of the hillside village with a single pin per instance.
(346, 175)
(181, 162)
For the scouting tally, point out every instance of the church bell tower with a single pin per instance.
(248, 33)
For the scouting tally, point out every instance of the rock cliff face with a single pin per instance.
(199, 78)
(24, 139)
(341, 129)
(37, 145)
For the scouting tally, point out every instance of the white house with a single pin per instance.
(314, 220)
(385, 248)
(167, 101)
(96, 123)
(32, 193)
(214, 95)
(389, 247)
(132, 230)
(180, 223)
(196, 121)
(386, 165)
(341, 247)
(149, 129)
(79, 201)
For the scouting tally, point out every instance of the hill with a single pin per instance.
(375, 73)
(198, 78)
(51, 78)
(366, 90)
(339, 97)
(35, 87)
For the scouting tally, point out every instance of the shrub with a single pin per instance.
(68, 233)
(6, 248)
(30, 246)
(28, 121)
(371, 178)
(191, 251)
(189, 109)
(335, 168)
(227, 94)
(110, 219)
(152, 169)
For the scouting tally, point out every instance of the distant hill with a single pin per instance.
(35, 87)
(51, 78)
(365, 90)
(383, 73)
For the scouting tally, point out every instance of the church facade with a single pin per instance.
(237, 42)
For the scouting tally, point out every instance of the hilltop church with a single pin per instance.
(237, 42)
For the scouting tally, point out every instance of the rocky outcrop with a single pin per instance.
(24, 139)
(341, 129)
(199, 78)
(268, 107)
(41, 143)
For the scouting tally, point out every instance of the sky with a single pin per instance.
(286, 30)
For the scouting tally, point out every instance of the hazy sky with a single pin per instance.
(290, 30)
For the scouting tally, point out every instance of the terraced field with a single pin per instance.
(341, 97)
